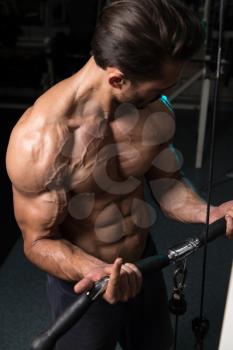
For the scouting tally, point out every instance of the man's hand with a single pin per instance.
(225, 209)
(124, 283)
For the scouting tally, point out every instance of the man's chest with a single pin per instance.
(112, 156)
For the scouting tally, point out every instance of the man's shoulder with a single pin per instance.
(160, 124)
(58, 101)
(35, 157)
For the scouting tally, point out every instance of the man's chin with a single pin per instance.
(136, 104)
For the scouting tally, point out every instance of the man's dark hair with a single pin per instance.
(138, 36)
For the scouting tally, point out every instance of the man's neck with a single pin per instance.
(94, 93)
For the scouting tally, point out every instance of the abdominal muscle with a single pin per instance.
(116, 227)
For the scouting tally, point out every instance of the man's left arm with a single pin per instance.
(177, 197)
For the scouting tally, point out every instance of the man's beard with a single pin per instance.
(137, 102)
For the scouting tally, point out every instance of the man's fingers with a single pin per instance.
(229, 228)
(132, 281)
(136, 270)
(136, 276)
(84, 285)
(115, 275)
(125, 289)
(113, 283)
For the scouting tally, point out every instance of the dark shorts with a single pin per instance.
(142, 323)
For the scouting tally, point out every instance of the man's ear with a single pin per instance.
(115, 78)
(116, 82)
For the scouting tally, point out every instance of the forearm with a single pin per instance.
(60, 258)
(179, 201)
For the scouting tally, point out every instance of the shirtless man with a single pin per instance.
(77, 159)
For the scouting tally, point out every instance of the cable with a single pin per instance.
(176, 332)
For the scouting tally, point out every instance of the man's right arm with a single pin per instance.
(40, 207)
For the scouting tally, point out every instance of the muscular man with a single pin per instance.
(77, 159)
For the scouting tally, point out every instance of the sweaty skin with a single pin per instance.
(77, 162)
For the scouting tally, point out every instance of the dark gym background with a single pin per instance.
(44, 41)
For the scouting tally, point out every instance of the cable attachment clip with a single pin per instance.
(98, 289)
(177, 303)
(183, 249)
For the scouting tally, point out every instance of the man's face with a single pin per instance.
(143, 93)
